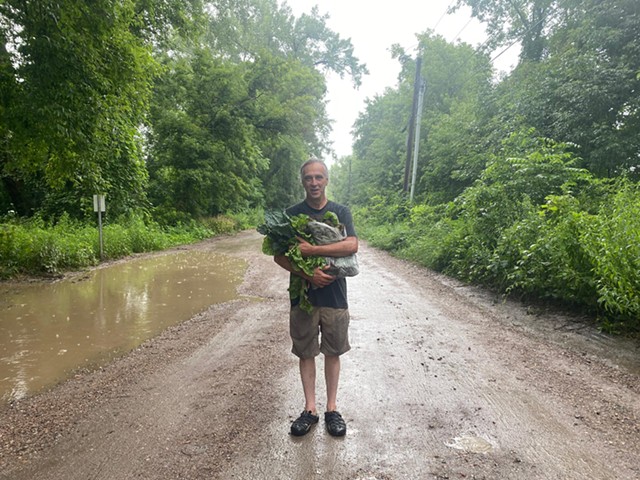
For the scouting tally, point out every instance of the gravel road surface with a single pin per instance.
(444, 381)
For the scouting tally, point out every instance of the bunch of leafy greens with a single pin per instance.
(281, 232)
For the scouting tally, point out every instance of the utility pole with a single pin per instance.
(412, 122)
(349, 182)
(416, 147)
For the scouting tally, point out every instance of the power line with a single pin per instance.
(554, 12)
(446, 11)
(508, 47)
(444, 14)
(462, 29)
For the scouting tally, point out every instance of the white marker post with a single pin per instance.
(99, 205)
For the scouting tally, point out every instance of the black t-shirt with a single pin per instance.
(335, 294)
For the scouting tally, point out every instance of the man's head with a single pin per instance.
(315, 178)
(313, 160)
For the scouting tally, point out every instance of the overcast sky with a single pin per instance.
(373, 27)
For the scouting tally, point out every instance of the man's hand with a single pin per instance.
(320, 278)
(306, 249)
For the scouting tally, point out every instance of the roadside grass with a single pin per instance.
(36, 247)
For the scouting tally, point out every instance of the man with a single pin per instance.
(328, 295)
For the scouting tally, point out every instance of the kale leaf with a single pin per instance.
(280, 231)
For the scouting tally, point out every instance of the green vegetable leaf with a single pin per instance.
(280, 232)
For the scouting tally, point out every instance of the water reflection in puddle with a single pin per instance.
(47, 330)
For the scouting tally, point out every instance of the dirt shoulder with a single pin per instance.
(443, 381)
(93, 403)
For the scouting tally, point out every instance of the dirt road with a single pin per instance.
(442, 382)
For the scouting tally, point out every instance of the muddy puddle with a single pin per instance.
(48, 330)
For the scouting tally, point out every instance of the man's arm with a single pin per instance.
(343, 248)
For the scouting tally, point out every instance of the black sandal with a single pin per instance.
(336, 425)
(303, 423)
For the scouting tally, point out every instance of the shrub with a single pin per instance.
(247, 219)
(33, 246)
(612, 242)
(116, 241)
(36, 247)
(170, 217)
(220, 224)
(542, 255)
(430, 235)
(16, 246)
(510, 190)
(143, 236)
(382, 223)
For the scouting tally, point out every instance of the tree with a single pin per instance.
(203, 158)
(277, 104)
(510, 21)
(587, 91)
(290, 120)
(380, 146)
(457, 78)
(340, 180)
(244, 28)
(77, 80)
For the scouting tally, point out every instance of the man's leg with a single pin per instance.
(308, 376)
(332, 376)
(309, 417)
(336, 425)
(304, 334)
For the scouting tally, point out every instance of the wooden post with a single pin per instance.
(99, 205)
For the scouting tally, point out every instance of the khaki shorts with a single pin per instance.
(331, 323)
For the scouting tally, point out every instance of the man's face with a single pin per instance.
(314, 181)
